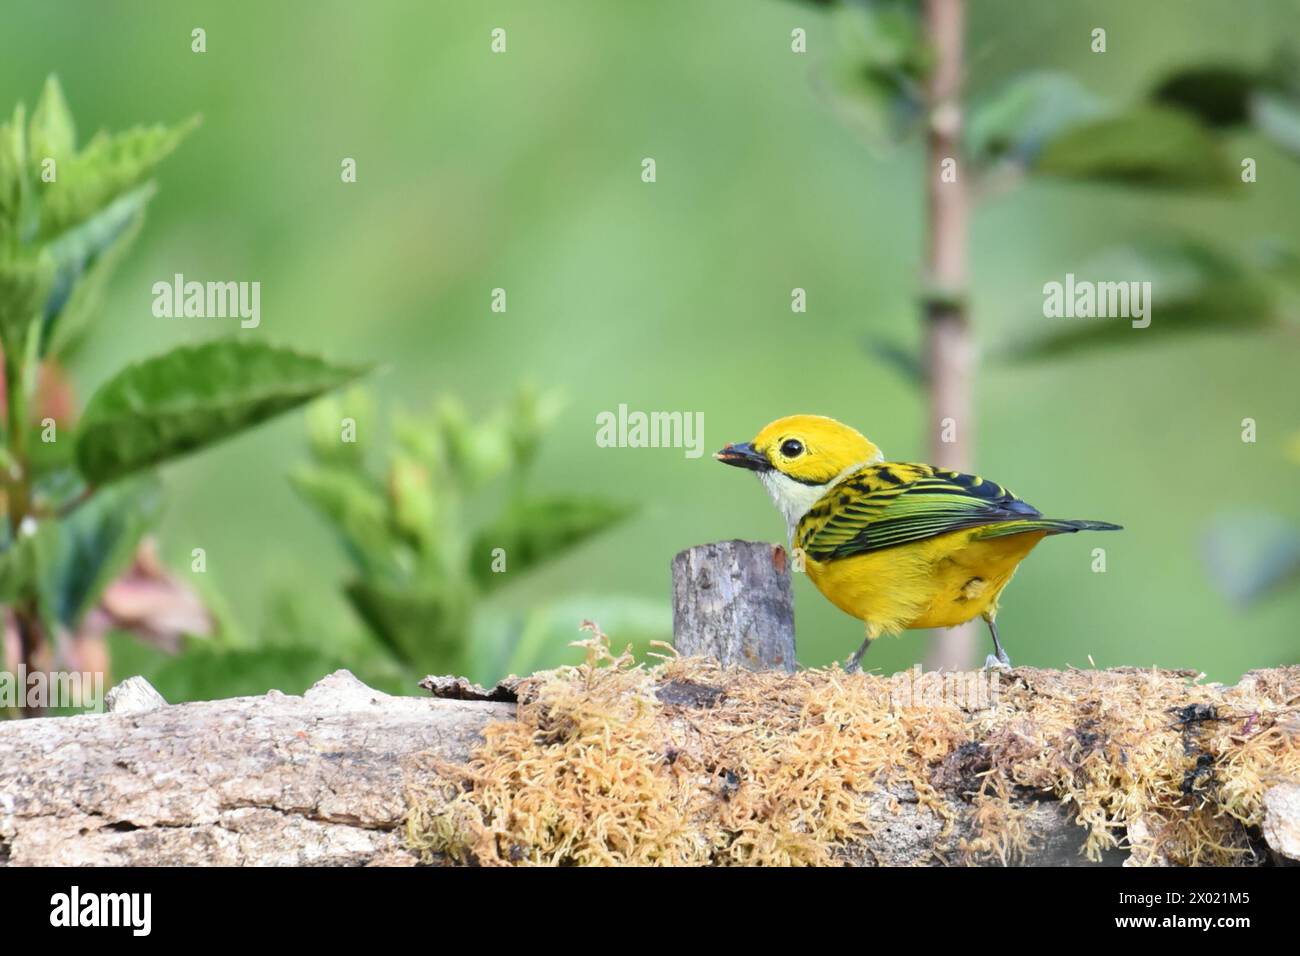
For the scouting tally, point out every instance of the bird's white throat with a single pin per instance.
(794, 498)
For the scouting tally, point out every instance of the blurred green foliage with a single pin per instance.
(421, 564)
(1048, 123)
(1250, 554)
(79, 497)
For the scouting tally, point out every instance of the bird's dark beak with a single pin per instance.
(744, 455)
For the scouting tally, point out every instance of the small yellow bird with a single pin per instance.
(896, 545)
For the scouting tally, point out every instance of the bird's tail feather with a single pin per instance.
(1050, 525)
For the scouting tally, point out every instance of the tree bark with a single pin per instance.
(272, 780)
(950, 353)
(732, 601)
(321, 780)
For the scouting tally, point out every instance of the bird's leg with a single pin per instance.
(854, 664)
(999, 658)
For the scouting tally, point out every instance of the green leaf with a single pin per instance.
(24, 288)
(94, 544)
(13, 175)
(325, 426)
(52, 134)
(878, 66)
(420, 437)
(358, 514)
(426, 627)
(415, 504)
(52, 465)
(1217, 95)
(1031, 109)
(905, 360)
(1277, 116)
(529, 415)
(18, 563)
(191, 397)
(84, 258)
(1249, 554)
(109, 166)
(1152, 147)
(535, 531)
(1194, 288)
(475, 451)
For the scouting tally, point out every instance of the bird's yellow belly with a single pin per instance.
(939, 582)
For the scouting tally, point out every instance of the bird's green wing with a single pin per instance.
(882, 506)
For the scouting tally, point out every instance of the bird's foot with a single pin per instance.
(853, 665)
(995, 663)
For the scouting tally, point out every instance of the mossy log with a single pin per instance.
(329, 778)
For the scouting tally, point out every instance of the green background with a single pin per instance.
(522, 171)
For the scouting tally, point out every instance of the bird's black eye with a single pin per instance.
(792, 448)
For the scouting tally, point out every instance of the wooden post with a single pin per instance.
(732, 601)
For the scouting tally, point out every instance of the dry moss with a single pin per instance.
(614, 762)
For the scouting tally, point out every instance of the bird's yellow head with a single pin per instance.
(799, 457)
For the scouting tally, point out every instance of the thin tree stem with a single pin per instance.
(950, 353)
